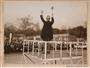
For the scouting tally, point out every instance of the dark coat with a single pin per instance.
(47, 31)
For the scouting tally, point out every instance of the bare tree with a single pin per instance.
(27, 26)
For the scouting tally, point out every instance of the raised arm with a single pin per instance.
(41, 16)
(52, 20)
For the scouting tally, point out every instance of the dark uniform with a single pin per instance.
(47, 31)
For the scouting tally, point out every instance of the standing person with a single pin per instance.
(47, 31)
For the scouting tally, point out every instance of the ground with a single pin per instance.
(17, 58)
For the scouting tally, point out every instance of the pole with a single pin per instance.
(38, 49)
(10, 37)
(28, 47)
(33, 49)
(61, 52)
(82, 54)
(71, 52)
(45, 51)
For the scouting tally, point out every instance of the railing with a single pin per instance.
(55, 52)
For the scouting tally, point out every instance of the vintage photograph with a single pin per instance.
(45, 33)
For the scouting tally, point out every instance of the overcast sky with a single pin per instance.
(66, 13)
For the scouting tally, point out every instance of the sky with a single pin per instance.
(67, 14)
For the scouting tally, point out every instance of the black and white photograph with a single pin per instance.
(45, 33)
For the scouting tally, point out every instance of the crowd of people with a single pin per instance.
(14, 46)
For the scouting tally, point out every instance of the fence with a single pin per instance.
(54, 52)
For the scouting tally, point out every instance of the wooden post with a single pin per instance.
(10, 37)
(88, 33)
(61, 52)
(23, 51)
(45, 55)
(23, 46)
(82, 54)
(55, 46)
(33, 49)
(38, 49)
(71, 52)
(76, 49)
(28, 47)
(53, 49)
